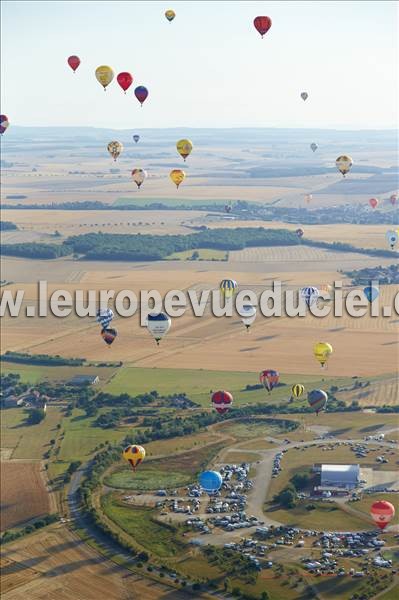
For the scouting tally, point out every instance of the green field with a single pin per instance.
(36, 373)
(247, 429)
(198, 383)
(168, 472)
(365, 503)
(161, 539)
(28, 441)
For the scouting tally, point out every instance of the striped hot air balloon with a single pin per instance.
(269, 378)
(228, 287)
(104, 317)
(317, 400)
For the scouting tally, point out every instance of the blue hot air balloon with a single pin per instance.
(371, 292)
(104, 316)
(210, 481)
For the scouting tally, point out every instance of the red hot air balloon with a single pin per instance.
(262, 24)
(382, 512)
(125, 80)
(141, 93)
(269, 379)
(4, 123)
(373, 202)
(74, 62)
(221, 401)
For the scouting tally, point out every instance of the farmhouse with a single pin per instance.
(338, 476)
(84, 380)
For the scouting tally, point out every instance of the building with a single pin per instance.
(84, 380)
(339, 476)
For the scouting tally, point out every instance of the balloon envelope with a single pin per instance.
(74, 62)
(138, 176)
(269, 378)
(228, 287)
(184, 148)
(136, 138)
(115, 148)
(382, 512)
(177, 176)
(317, 400)
(170, 15)
(371, 292)
(344, 164)
(248, 314)
(210, 481)
(373, 202)
(300, 232)
(262, 24)
(297, 390)
(141, 93)
(221, 401)
(104, 75)
(104, 316)
(314, 146)
(322, 352)
(4, 123)
(392, 238)
(134, 455)
(304, 96)
(125, 80)
(310, 295)
(108, 335)
(158, 324)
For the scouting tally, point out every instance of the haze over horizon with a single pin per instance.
(209, 68)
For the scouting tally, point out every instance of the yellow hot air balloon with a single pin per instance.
(170, 15)
(134, 455)
(104, 75)
(297, 390)
(228, 287)
(344, 164)
(115, 148)
(184, 148)
(177, 176)
(322, 352)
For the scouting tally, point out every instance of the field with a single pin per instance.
(23, 495)
(160, 538)
(171, 471)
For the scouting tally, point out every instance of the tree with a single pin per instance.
(264, 596)
(300, 480)
(35, 416)
(195, 255)
(287, 498)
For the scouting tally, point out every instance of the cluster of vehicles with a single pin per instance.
(277, 468)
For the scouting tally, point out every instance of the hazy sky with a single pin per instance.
(208, 68)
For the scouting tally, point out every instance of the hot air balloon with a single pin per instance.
(228, 287)
(210, 481)
(269, 379)
(228, 207)
(4, 123)
(262, 24)
(177, 176)
(139, 175)
(74, 62)
(141, 93)
(297, 390)
(300, 232)
(371, 292)
(310, 294)
(221, 401)
(382, 512)
(115, 148)
(104, 316)
(393, 199)
(317, 400)
(104, 75)
(108, 335)
(170, 15)
(136, 138)
(134, 455)
(248, 315)
(344, 164)
(392, 238)
(308, 198)
(158, 324)
(125, 80)
(373, 202)
(322, 352)
(304, 96)
(313, 146)
(184, 148)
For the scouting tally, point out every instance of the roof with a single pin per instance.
(339, 468)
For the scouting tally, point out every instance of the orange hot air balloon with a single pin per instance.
(382, 512)
(373, 202)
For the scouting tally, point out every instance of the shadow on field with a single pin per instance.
(17, 567)
(265, 338)
(73, 566)
(249, 349)
(340, 431)
(64, 546)
(372, 427)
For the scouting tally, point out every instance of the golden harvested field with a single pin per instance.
(362, 346)
(56, 564)
(377, 393)
(23, 493)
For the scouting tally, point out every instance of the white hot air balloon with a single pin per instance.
(248, 314)
(392, 238)
(158, 324)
